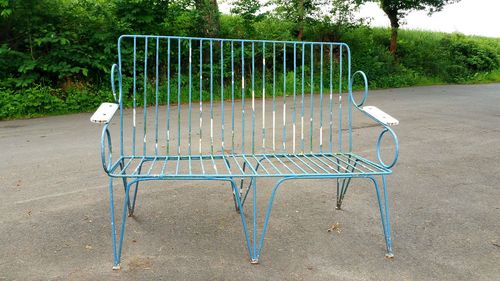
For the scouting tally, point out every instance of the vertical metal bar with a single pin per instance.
(321, 99)
(294, 94)
(312, 99)
(340, 98)
(253, 97)
(284, 97)
(243, 97)
(349, 100)
(201, 96)
(331, 99)
(254, 213)
(134, 98)
(145, 91)
(303, 92)
(156, 95)
(274, 97)
(263, 97)
(222, 92)
(190, 93)
(211, 99)
(232, 97)
(120, 99)
(168, 96)
(179, 96)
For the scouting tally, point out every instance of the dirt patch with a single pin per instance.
(139, 263)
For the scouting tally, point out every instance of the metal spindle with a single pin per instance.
(243, 97)
(294, 117)
(331, 98)
(321, 99)
(274, 97)
(263, 97)
(222, 93)
(145, 91)
(211, 99)
(232, 97)
(179, 96)
(284, 97)
(312, 99)
(253, 98)
(168, 97)
(340, 99)
(134, 98)
(156, 95)
(189, 96)
(303, 105)
(201, 98)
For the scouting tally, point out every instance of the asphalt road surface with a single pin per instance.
(444, 200)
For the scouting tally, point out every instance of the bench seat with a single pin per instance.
(247, 165)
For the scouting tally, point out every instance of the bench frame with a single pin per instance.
(353, 166)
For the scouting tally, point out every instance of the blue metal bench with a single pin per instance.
(235, 111)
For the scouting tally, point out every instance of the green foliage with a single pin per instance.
(248, 10)
(55, 54)
(398, 9)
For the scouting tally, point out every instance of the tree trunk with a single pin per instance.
(394, 36)
(392, 13)
(301, 20)
(301, 33)
(210, 20)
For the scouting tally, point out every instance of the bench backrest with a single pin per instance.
(279, 96)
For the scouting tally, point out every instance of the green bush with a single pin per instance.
(42, 100)
(55, 55)
(36, 101)
(467, 58)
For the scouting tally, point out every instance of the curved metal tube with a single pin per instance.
(106, 165)
(385, 129)
(365, 94)
(396, 152)
(113, 69)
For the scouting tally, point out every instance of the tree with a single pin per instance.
(248, 10)
(209, 17)
(396, 11)
(297, 11)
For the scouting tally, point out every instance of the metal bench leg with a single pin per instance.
(342, 185)
(258, 248)
(117, 248)
(384, 215)
(244, 197)
(237, 198)
(131, 205)
(253, 247)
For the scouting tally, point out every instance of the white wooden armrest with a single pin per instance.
(104, 113)
(379, 115)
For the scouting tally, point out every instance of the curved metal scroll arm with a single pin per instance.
(107, 160)
(386, 128)
(396, 144)
(113, 88)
